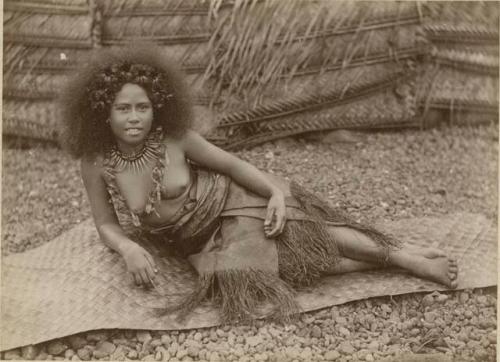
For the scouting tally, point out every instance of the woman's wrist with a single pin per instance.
(277, 192)
(130, 245)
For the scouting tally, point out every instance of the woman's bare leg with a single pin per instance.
(346, 265)
(429, 263)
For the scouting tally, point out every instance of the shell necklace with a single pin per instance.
(153, 153)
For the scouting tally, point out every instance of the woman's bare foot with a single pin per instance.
(440, 269)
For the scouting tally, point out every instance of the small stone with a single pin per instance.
(369, 357)
(30, 352)
(306, 354)
(481, 354)
(385, 308)
(441, 298)
(193, 351)
(156, 342)
(492, 337)
(428, 300)
(77, 342)
(214, 357)
(104, 349)
(316, 331)
(344, 331)
(373, 346)
(149, 357)
(346, 348)
(120, 354)
(462, 336)
(164, 354)
(56, 348)
(213, 336)
(468, 314)
(42, 356)
(482, 299)
(220, 333)
(181, 352)
(84, 353)
(12, 354)
(430, 316)
(166, 340)
(203, 354)
(132, 354)
(254, 340)
(472, 344)
(239, 352)
(332, 355)
(143, 336)
(172, 349)
(486, 323)
(76, 358)
(69, 353)
(198, 336)
(97, 336)
(414, 332)
(182, 338)
(292, 352)
(485, 342)
(309, 319)
(158, 356)
(463, 297)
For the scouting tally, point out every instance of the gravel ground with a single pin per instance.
(382, 176)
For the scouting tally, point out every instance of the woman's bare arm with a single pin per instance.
(139, 262)
(206, 154)
(103, 213)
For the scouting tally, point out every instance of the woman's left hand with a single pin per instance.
(276, 215)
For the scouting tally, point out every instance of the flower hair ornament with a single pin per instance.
(108, 81)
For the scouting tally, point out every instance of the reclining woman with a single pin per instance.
(251, 236)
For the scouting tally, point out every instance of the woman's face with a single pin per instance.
(131, 117)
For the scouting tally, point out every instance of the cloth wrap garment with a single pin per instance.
(219, 229)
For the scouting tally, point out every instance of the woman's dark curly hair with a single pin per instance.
(86, 100)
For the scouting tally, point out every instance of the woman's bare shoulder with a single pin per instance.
(92, 166)
(179, 143)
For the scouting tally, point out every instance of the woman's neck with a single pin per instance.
(130, 149)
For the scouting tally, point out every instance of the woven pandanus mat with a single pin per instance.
(74, 283)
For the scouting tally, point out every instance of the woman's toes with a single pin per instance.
(440, 253)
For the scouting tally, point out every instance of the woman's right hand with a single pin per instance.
(141, 264)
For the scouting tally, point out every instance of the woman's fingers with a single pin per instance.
(144, 277)
(137, 278)
(280, 223)
(269, 221)
(151, 262)
(269, 216)
(150, 274)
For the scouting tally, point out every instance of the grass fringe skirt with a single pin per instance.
(306, 250)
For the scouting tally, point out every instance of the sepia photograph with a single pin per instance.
(249, 180)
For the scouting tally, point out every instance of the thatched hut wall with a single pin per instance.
(263, 69)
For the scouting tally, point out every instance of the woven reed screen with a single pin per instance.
(264, 69)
